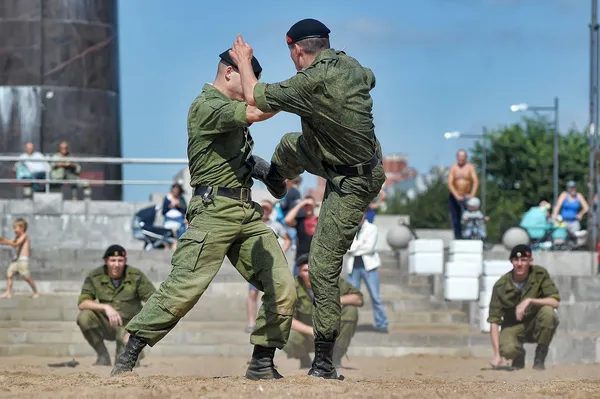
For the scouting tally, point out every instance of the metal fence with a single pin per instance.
(97, 160)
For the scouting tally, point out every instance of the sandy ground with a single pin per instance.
(222, 377)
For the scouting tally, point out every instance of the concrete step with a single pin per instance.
(581, 316)
(565, 348)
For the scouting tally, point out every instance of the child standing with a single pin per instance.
(20, 264)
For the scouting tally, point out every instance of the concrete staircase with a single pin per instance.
(419, 323)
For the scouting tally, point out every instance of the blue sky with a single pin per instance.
(440, 65)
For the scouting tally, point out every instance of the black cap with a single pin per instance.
(302, 260)
(520, 251)
(226, 58)
(115, 250)
(305, 29)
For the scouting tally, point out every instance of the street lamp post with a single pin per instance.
(526, 107)
(483, 136)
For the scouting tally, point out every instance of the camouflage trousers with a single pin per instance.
(96, 329)
(300, 345)
(345, 201)
(223, 227)
(539, 330)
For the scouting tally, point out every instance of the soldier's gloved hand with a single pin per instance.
(113, 316)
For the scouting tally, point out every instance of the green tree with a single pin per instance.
(428, 210)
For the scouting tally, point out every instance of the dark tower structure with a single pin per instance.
(59, 80)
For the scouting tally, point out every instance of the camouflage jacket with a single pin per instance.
(304, 301)
(219, 142)
(506, 296)
(127, 299)
(332, 97)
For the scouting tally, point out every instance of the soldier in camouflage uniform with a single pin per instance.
(301, 342)
(523, 304)
(223, 221)
(331, 94)
(111, 295)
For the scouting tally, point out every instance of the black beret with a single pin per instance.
(226, 58)
(305, 29)
(520, 251)
(302, 260)
(115, 250)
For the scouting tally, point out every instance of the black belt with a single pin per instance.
(207, 193)
(355, 170)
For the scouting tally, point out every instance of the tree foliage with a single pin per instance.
(519, 175)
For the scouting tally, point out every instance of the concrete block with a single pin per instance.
(424, 264)
(20, 207)
(111, 208)
(462, 269)
(461, 288)
(75, 207)
(579, 317)
(48, 203)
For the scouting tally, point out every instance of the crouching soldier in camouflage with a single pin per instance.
(119, 290)
(523, 303)
(301, 341)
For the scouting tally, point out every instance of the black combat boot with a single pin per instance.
(322, 366)
(103, 358)
(128, 359)
(540, 357)
(261, 365)
(519, 362)
(270, 176)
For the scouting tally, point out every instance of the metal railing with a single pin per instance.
(91, 182)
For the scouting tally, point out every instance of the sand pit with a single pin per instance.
(221, 377)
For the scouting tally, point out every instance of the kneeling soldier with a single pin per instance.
(523, 303)
(301, 341)
(120, 290)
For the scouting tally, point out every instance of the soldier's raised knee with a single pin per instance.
(547, 317)
(511, 350)
(86, 319)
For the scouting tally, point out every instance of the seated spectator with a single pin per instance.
(301, 341)
(64, 169)
(27, 168)
(302, 217)
(174, 209)
(572, 206)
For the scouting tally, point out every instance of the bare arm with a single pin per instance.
(13, 243)
(302, 328)
(559, 204)
(495, 337)
(113, 316)
(545, 302)
(584, 206)
(382, 197)
(351, 299)
(254, 114)
(290, 218)
(475, 181)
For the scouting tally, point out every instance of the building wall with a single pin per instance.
(59, 80)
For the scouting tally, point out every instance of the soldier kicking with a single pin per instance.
(223, 221)
(331, 94)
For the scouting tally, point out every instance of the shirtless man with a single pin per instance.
(462, 184)
(21, 263)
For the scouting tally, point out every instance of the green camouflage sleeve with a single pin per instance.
(495, 311)
(293, 95)
(87, 291)
(549, 289)
(145, 288)
(218, 116)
